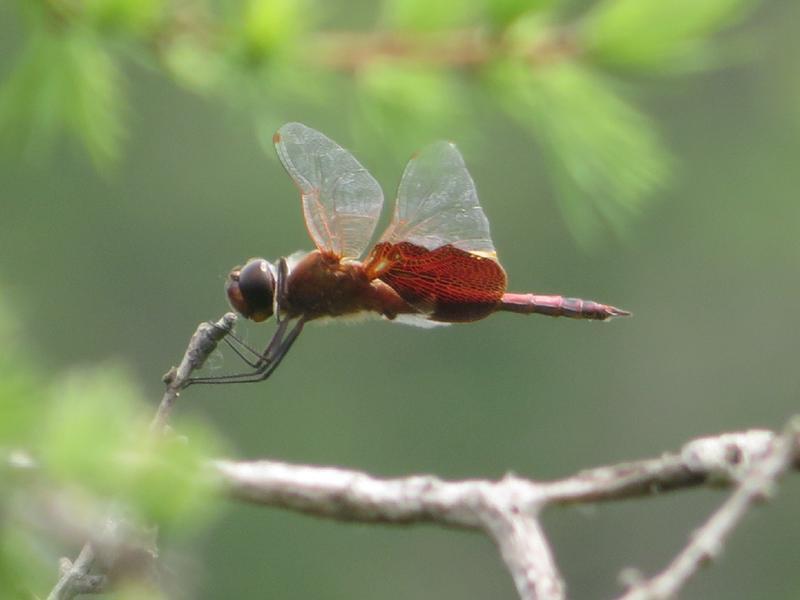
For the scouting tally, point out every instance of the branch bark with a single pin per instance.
(508, 510)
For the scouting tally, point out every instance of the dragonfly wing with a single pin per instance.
(446, 284)
(418, 321)
(341, 200)
(437, 204)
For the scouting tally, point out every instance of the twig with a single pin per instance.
(86, 584)
(202, 344)
(68, 585)
(458, 49)
(76, 579)
(707, 542)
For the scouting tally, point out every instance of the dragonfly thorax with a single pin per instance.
(251, 289)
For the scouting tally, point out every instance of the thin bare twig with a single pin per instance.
(202, 344)
(68, 585)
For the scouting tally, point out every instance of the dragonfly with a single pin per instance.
(434, 265)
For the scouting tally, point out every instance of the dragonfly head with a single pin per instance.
(251, 289)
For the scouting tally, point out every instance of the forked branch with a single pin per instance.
(507, 510)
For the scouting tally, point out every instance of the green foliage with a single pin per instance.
(265, 28)
(63, 80)
(425, 100)
(651, 34)
(135, 17)
(502, 13)
(413, 77)
(22, 567)
(601, 147)
(88, 438)
(423, 15)
(20, 402)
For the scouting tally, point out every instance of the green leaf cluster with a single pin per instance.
(86, 436)
(552, 68)
(604, 154)
(658, 36)
(63, 82)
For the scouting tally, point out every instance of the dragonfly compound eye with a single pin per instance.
(251, 289)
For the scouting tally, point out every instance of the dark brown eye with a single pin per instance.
(251, 289)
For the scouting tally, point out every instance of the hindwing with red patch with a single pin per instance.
(447, 283)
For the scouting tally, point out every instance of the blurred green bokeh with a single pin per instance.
(118, 265)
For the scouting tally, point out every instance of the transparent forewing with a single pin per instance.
(341, 200)
(437, 204)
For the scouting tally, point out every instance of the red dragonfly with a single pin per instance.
(435, 264)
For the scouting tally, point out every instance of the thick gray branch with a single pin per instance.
(507, 509)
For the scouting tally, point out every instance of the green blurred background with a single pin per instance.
(123, 262)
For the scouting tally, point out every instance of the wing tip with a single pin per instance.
(287, 128)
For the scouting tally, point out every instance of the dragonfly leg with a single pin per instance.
(275, 353)
(260, 356)
(280, 288)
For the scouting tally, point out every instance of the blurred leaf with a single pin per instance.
(606, 156)
(96, 435)
(94, 102)
(21, 396)
(22, 568)
(131, 16)
(270, 27)
(403, 104)
(62, 81)
(652, 34)
(424, 15)
(503, 12)
(138, 591)
(90, 425)
(193, 65)
(21, 405)
(170, 482)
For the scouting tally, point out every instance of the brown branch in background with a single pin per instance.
(351, 51)
(74, 576)
(458, 49)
